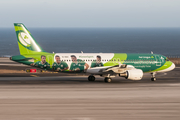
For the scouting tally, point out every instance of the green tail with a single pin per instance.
(27, 44)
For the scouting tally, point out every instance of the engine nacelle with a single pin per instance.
(134, 74)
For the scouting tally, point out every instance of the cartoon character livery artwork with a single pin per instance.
(107, 65)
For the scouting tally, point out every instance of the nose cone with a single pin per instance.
(172, 66)
(168, 66)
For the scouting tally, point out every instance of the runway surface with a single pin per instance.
(52, 96)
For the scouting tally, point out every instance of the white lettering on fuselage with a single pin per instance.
(147, 57)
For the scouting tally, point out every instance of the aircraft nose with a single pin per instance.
(172, 66)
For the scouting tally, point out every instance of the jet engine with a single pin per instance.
(134, 74)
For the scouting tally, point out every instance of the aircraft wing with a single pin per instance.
(122, 70)
(110, 69)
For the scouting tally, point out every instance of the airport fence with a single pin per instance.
(174, 59)
(173, 56)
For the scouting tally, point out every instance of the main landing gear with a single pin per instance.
(153, 78)
(91, 78)
(107, 79)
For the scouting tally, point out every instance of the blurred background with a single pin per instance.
(115, 26)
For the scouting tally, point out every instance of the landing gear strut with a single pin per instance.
(91, 78)
(153, 78)
(107, 79)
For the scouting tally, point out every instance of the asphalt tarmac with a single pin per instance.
(54, 96)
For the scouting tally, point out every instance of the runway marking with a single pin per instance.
(34, 75)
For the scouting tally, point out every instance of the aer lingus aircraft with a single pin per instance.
(107, 65)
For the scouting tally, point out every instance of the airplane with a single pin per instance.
(107, 65)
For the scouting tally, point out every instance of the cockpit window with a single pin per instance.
(167, 59)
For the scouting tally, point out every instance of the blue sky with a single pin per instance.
(90, 13)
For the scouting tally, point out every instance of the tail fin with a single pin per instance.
(27, 44)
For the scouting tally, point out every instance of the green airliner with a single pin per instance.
(108, 65)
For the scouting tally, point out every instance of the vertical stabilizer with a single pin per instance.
(27, 44)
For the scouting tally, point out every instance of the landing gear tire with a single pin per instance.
(91, 78)
(153, 79)
(107, 80)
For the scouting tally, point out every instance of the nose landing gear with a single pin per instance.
(153, 77)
